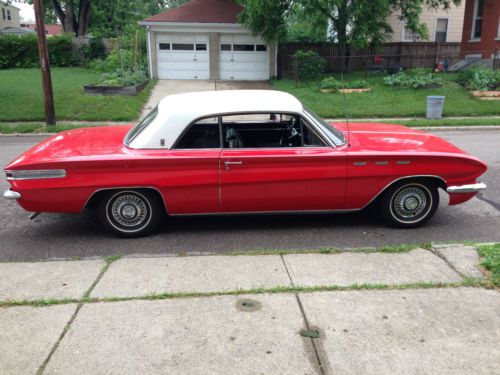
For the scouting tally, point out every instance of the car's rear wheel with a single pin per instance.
(130, 213)
(409, 204)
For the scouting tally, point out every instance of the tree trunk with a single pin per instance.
(342, 34)
(84, 17)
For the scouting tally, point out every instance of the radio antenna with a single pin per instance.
(346, 116)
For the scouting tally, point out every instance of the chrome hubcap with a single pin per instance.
(410, 202)
(129, 210)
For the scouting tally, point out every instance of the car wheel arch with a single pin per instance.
(436, 180)
(97, 195)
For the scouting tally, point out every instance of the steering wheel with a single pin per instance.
(290, 139)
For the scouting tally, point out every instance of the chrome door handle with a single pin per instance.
(229, 163)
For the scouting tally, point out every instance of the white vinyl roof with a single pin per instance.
(176, 112)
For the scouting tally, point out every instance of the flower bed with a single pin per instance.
(330, 85)
(99, 89)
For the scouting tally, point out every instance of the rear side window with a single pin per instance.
(202, 134)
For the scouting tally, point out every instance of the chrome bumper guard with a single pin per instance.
(9, 194)
(472, 188)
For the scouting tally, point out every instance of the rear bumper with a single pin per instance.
(471, 188)
(9, 194)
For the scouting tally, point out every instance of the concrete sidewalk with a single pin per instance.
(348, 313)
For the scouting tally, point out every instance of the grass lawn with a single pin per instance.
(21, 97)
(491, 261)
(384, 101)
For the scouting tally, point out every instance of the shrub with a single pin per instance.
(308, 64)
(18, 51)
(22, 51)
(94, 49)
(61, 50)
(121, 77)
(479, 78)
(330, 83)
(419, 78)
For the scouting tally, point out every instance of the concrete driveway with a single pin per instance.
(169, 87)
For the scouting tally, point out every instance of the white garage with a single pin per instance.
(203, 40)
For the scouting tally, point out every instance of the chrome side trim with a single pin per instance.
(128, 188)
(403, 162)
(471, 188)
(251, 213)
(360, 163)
(9, 194)
(35, 174)
(382, 163)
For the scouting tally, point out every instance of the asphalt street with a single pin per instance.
(54, 236)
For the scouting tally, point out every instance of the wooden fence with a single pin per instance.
(408, 55)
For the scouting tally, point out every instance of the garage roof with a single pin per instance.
(201, 11)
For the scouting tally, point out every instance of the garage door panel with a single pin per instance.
(187, 57)
(240, 59)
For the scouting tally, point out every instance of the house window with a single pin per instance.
(164, 46)
(8, 15)
(225, 47)
(477, 20)
(201, 47)
(261, 48)
(3, 13)
(409, 35)
(441, 30)
(498, 34)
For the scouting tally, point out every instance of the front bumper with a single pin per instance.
(9, 194)
(471, 188)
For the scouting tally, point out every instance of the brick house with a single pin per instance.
(481, 31)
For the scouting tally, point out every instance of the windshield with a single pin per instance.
(335, 135)
(136, 130)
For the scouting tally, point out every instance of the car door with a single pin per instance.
(284, 178)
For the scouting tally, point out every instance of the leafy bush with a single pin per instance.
(121, 77)
(479, 78)
(61, 50)
(330, 83)
(419, 78)
(18, 51)
(308, 65)
(22, 51)
(359, 84)
(94, 49)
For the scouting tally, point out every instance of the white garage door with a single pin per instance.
(243, 57)
(183, 56)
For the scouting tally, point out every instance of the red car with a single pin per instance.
(231, 152)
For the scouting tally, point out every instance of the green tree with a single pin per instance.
(104, 16)
(354, 23)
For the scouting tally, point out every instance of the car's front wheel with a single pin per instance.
(130, 213)
(409, 204)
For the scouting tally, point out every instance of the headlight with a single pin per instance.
(35, 174)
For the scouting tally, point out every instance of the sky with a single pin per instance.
(27, 13)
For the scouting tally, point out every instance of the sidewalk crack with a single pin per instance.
(306, 322)
(443, 258)
(67, 327)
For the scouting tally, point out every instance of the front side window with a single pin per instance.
(268, 130)
(336, 136)
(202, 134)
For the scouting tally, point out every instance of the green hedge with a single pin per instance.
(22, 51)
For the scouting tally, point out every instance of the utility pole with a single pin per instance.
(48, 98)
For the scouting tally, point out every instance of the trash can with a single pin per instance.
(435, 106)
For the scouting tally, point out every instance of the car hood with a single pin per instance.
(83, 143)
(378, 137)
